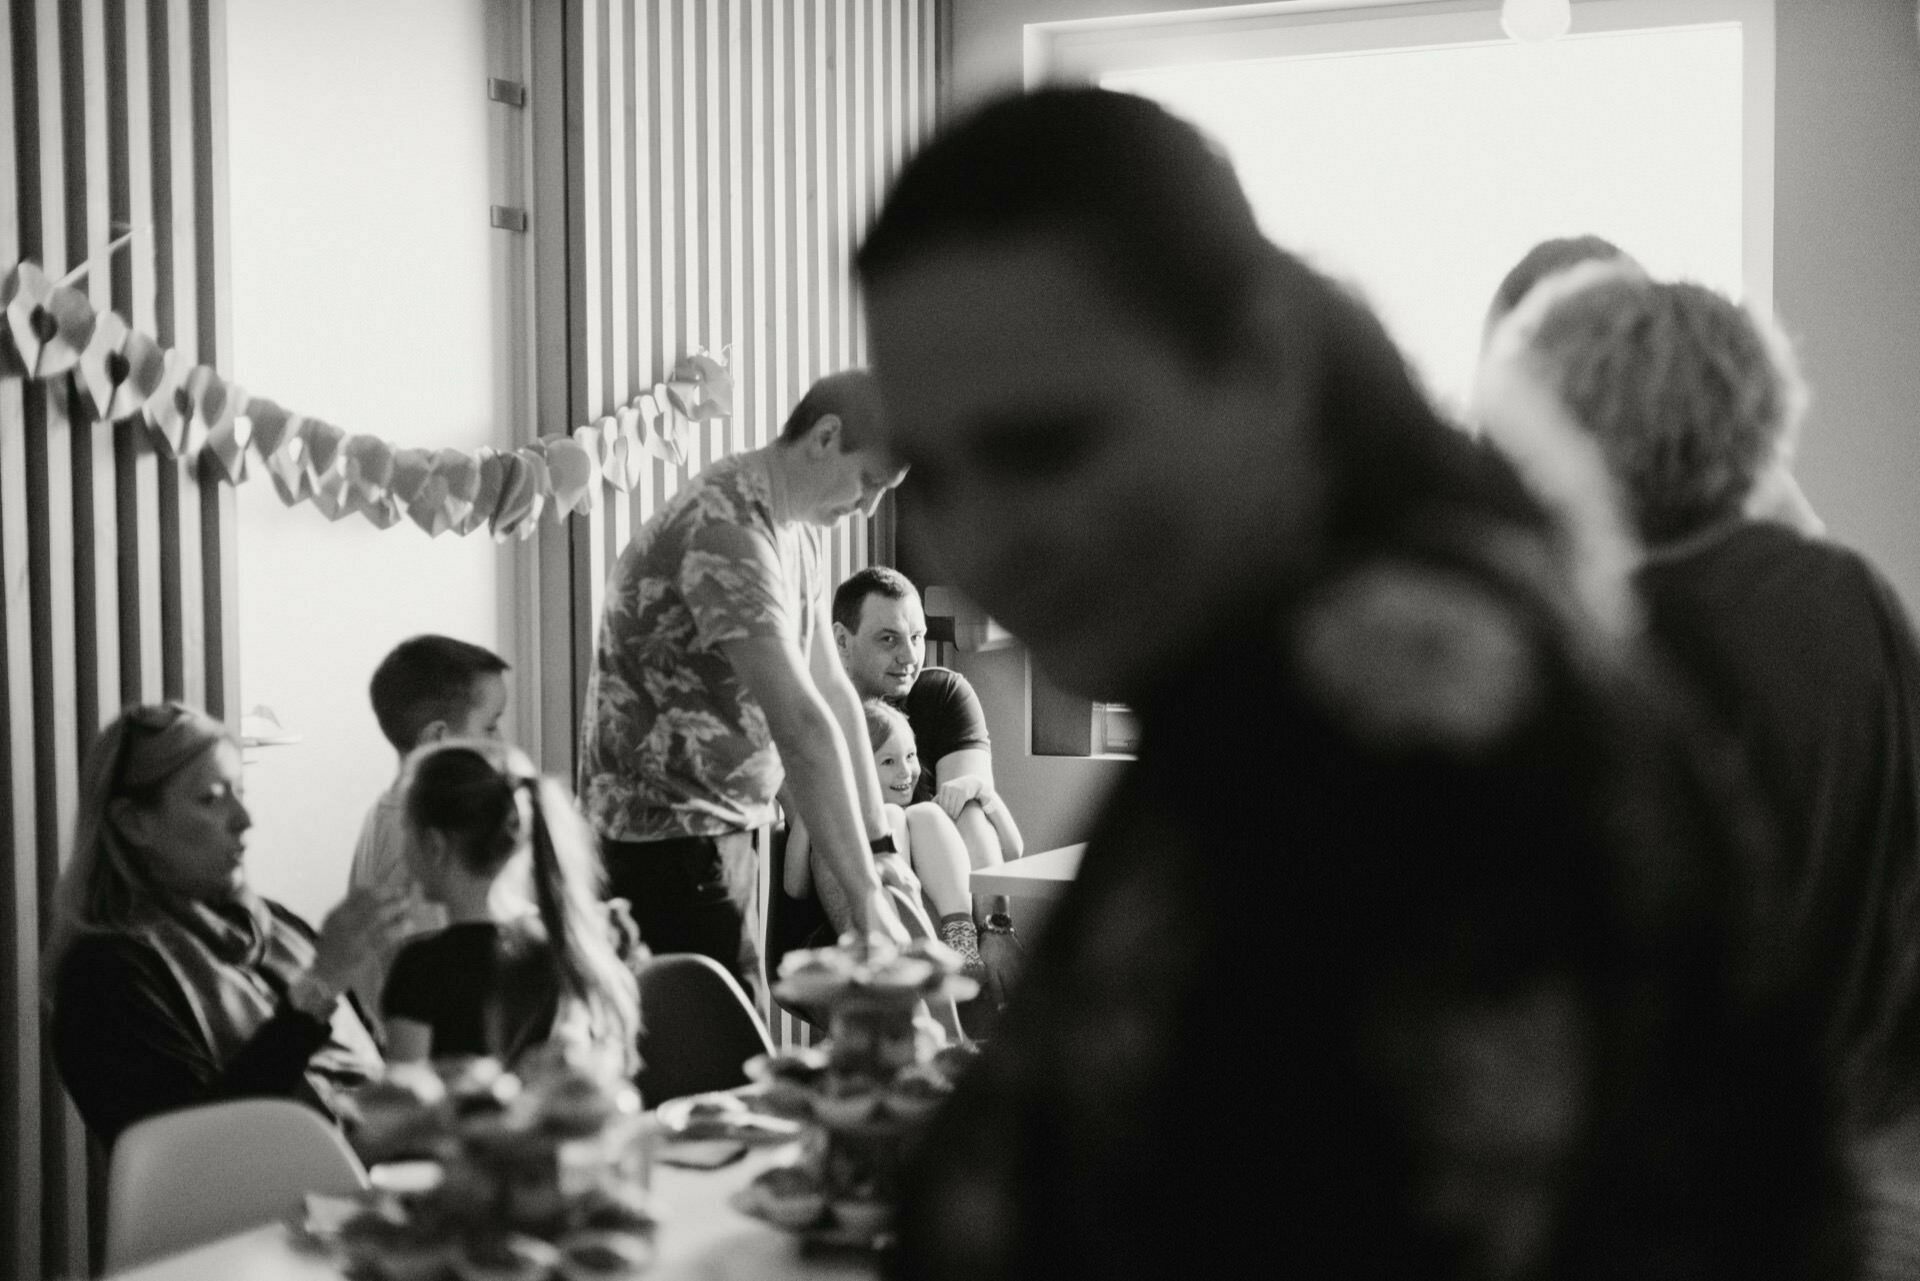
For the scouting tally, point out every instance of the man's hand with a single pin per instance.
(956, 794)
(896, 874)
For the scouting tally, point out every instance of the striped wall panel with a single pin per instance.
(117, 565)
(725, 157)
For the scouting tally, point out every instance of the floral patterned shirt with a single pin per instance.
(673, 744)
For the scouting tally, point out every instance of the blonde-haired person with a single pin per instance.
(1776, 494)
(1796, 644)
(173, 983)
(500, 980)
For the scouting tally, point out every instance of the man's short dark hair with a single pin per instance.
(850, 599)
(1545, 259)
(1154, 207)
(427, 679)
(852, 394)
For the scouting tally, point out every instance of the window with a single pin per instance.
(1415, 152)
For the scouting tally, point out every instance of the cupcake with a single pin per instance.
(477, 1087)
(792, 1079)
(847, 1100)
(789, 1196)
(916, 1092)
(953, 1061)
(423, 1252)
(862, 1215)
(711, 1116)
(604, 1256)
(505, 1256)
(401, 1110)
(613, 1209)
(576, 1103)
(366, 1238)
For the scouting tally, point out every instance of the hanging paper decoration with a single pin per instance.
(216, 423)
(270, 424)
(48, 323)
(165, 409)
(48, 329)
(486, 496)
(287, 464)
(104, 369)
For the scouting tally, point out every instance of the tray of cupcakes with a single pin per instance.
(863, 1096)
(530, 1175)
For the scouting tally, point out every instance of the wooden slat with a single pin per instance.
(692, 242)
(600, 264)
(89, 208)
(218, 518)
(137, 487)
(736, 209)
(177, 322)
(752, 361)
(20, 888)
(553, 84)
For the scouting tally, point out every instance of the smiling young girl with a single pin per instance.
(925, 836)
(499, 981)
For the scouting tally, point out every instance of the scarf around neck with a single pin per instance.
(234, 963)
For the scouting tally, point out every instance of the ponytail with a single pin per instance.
(487, 798)
(566, 883)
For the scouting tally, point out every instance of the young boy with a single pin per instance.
(427, 689)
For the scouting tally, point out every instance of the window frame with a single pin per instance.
(1081, 50)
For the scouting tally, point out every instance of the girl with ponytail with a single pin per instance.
(501, 979)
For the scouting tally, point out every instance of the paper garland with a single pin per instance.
(47, 330)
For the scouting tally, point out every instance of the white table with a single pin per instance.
(1043, 876)
(701, 1238)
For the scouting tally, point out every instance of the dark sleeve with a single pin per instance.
(954, 720)
(124, 1041)
(409, 993)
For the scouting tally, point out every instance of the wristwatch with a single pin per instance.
(883, 845)
(312, 996)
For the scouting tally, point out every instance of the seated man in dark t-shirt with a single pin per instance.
(882, 634)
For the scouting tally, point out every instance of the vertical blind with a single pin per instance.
(728, 156)
(118, 564)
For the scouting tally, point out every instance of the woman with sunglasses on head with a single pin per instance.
(172, 982)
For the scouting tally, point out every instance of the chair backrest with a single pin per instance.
(185, 1178)
(697, 1028)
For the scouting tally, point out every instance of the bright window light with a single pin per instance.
(1420, 175)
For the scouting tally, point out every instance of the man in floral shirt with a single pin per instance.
(715, 680)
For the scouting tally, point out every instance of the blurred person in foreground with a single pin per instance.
(1797, 644)
(1415, 943)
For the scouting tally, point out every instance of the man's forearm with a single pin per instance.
(844, 702)
(820, 778)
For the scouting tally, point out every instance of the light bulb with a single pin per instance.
(1532, 21)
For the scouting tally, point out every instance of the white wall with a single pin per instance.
(365, 292)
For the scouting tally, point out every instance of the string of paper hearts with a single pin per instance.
(51, 330)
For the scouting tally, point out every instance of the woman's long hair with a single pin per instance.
(105, 884)
(487, 800)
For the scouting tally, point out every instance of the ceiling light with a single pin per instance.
(1532, 21)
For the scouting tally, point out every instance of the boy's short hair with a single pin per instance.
(850, 598)
(427, 679)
